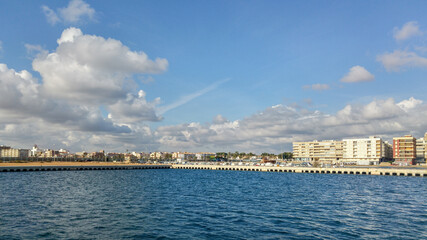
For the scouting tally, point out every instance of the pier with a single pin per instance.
(79, 168)
(409, 172)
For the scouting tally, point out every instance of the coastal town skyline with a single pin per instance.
(220, 76)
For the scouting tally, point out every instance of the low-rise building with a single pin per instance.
(204, 156)
(98, 156)
(130, 158)
(157, 155)
(183, 156)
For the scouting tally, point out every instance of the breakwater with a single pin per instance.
(78, 167)
(414, 172)
(410, 172)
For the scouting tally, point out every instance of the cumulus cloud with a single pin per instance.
(357, 74)
(80, 85)
(317, 87)
(22, 100)
(408, 30)
(399, 60)
(92, 69)
(134, 109)
(409, 104)
(76, 11)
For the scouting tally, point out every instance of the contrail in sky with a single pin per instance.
(185, 99)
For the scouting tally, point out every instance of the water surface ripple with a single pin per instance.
(203, 204)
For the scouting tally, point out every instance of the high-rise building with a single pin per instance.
(404, 150)
(327, 151)
(366, 151)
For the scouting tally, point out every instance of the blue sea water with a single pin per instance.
(206, 204)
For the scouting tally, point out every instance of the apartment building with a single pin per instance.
(404, 150)
(183, 156)
(204, 155)
(8, 152)
(366, 151)
(425, 147)
(327, 151)
(420, 150)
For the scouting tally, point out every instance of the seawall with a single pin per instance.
(345, 170)
(78, 167)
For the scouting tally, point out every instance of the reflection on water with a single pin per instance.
(182, 204)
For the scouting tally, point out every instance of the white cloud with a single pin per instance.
(35, 50)
(185, 99)
(317, 87)
(51, 16)
(76, 12)
(21, 100)
(357, 74)
(399, 60)
(91, 69)
(80, 85)
(408, 30)
(134, 109)
(409, 104)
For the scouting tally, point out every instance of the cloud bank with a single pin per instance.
(275, 128)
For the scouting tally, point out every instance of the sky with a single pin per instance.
(219, 76)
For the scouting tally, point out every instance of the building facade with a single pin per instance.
(204, 156)
(183, 156)
(425, 147)
(420, 150)
(9, 152)
(404, 150)
(366, 151)
(327, 151)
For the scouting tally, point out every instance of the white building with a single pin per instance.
(326, 151)
(420, 150)
(365, 151)
(204, 156)
(183, 156)
(9, 152)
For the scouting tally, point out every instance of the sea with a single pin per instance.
(208, 204)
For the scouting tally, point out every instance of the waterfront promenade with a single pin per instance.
(415, 172)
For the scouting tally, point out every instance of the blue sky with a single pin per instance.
(223, 63)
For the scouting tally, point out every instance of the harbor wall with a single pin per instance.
(344, 170)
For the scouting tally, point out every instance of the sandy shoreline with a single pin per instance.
(68, 164)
